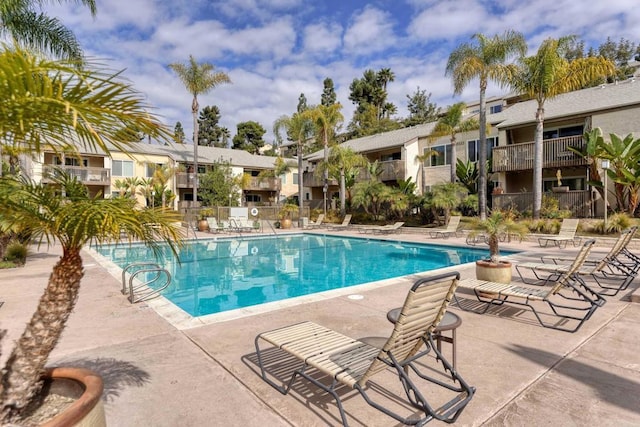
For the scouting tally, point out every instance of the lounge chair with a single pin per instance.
(450, 229)
(317, 223)
(609, 268)
(214, 227)
(345, 223)
(353, 363)
(566, 234)
(586, 301)
(383, 229)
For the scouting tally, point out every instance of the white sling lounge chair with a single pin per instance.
(450, 229)
(566, 234)
(353, 363)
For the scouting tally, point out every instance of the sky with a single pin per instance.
(274, 50)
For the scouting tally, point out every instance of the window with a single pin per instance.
(473, 148)
(72, 161)
(562, 132)
(495, 109)
(283, 179)
(441, 156)
(574, 183)
(152, 167)
(122, 168)
(253, 198)
(295, 179)
(389, 157)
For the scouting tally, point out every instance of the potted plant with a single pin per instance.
(560, 188)
(63, 211)
(497, 227)
(203, 224)
(286, 213)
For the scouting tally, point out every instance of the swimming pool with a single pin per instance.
(226, 274)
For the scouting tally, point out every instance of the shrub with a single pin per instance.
(16, 252)
(615, 224)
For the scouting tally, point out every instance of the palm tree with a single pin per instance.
(64, 213)
(198, 79)
(484, 60)
(546, 75)
(449, 125)
(326, 119)
(342, 163)
(299, 127)
(46, 104)
(20, 21)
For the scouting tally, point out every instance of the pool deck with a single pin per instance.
(157, 374)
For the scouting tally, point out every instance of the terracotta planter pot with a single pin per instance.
(285, 223)
(87, 387)
(203, 225)
(499, 273)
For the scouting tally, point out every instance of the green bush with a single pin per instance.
(16, 252)
(615, 224)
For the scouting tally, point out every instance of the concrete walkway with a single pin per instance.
(159, 375)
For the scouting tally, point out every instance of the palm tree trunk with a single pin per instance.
(482, 153)
(537, 163)
(325, 183)
(300, 183)
(21, 379)
(194, 111)
(454, 156)
(343, 201)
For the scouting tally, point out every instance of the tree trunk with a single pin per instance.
(537, 163)
(482, 152)
(23, 370)
(194, 110)
(343, 207)
(325, 183)
(300, 183)
(454, 156)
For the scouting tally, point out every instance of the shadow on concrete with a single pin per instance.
(612, 388)
(116, 374)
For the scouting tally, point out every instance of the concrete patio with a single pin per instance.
(157, 374)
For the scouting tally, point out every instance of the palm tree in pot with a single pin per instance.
(496, 228)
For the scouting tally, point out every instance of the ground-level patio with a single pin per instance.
(157, 374)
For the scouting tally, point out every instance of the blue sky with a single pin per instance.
(273, 50)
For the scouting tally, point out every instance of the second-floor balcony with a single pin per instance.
(86, 175)
(185, 180)
(392, 170)
(257, 183)
(556, 153)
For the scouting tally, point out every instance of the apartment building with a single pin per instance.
(614, 108)
(100, 172)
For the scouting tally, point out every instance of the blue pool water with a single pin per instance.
(220, 275)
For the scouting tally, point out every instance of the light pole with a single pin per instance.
(605, 166)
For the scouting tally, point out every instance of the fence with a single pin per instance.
(578, 202)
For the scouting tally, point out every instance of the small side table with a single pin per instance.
(449, 322)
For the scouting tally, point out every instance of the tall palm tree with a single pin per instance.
(485, 60)
(546, 75)
(449, 125)
(299, 127)
(46, 104)
(326, 119)
(29, 28)
(198, 79)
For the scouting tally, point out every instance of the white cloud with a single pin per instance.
(322, 38)
(370, 31)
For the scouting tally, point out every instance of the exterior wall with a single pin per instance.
(621, 122)
(288, 187)
(140, 162)
(411, 166)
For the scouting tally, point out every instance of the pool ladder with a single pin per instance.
(142, 291)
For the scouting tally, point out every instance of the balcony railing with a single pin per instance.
(579, 202)
(555, 154)
(86, 175)
(184, 180)
(263, 184)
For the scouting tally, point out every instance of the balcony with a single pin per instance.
(184, 180)
(392, 170)
(263, 184)
(555, 154)
(86, 175)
